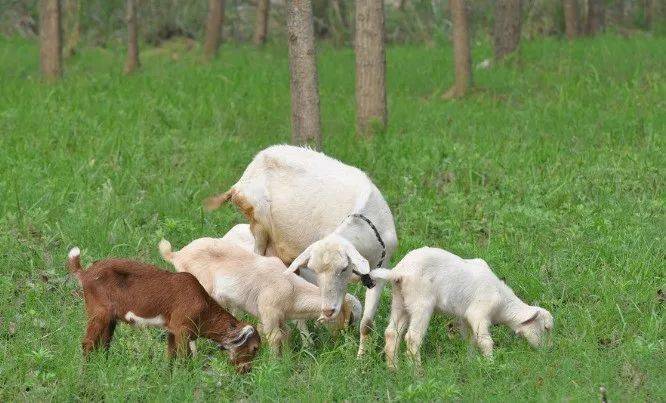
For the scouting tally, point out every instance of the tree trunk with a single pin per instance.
(400, 6)
(305, 118)
(462, 56)
(370, 66)
(213, 28)
(506, 32)
(340, 11)
(570, 18)
(132, 62)
(650, 6)
(595, 17)
(72, 27)
(50, 37)
(261, 24)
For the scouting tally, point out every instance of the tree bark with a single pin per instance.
(261, 23)
(462, 56)
(132, 62)
(650, 6)
(72, 27)
(570, 18)
(595, 17)
(370, 66)
(50, 36)
(340, 11)
(305, 117)
(506, 32)
(213, 28)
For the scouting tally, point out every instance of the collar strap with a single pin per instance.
(367, 281)
(379, 238)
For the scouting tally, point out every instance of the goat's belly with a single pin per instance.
(136, 320)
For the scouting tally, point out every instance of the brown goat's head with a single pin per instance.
(243, 347)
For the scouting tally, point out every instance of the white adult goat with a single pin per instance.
(314, 212)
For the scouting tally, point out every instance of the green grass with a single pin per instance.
(552, 170)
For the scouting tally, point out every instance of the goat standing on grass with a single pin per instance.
(325, 219)
(429, 278)
(141, 294)
(238, 278)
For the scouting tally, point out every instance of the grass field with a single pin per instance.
(552, 170)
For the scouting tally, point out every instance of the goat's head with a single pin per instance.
(242, 345)
(535, 326)
(334, 260)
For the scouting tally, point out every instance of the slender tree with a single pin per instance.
(261, 23)
(570, 8)
(370, 66)
(649, 6)
(72, 27)
(213, 28)
(570, 18)
(462, 56)
(340, 26)
(50, 36)
(595, 17)
(506, 32)
(132, 61)
(305, 117)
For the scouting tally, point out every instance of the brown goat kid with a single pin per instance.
(144, 295)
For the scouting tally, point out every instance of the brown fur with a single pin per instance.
(113, 287)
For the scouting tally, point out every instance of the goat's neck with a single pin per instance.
(217, 324)
(511, 311)
(362, 236)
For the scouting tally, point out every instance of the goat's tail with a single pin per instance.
(384, 274)
(165, 250)
(214, 202)
(74, 261)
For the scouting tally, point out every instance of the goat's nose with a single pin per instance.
(329, 312)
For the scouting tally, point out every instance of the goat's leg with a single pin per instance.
(260, 238)
(480, 326)
(306, 337)
(94, 338)
(372, 296)
(272, 327)
(418, 326)
(107, 335)
(396, 328)
(182, 343)
(171, 346)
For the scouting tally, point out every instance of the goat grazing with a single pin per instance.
(316, 213)
(144, 295)
(429, 278)
(238, 278)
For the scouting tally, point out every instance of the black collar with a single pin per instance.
(379, 238)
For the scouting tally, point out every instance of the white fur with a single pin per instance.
(241, 235)
(429, 279)
(256, 284)
(74, 252)
(139, 321)
(301, 201)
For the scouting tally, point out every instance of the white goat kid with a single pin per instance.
(238, 278)
(429, 279)
(318, 214)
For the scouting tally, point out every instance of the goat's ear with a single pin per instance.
(301, 261)
(240, 339)
(359, 263)
(531, 319)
